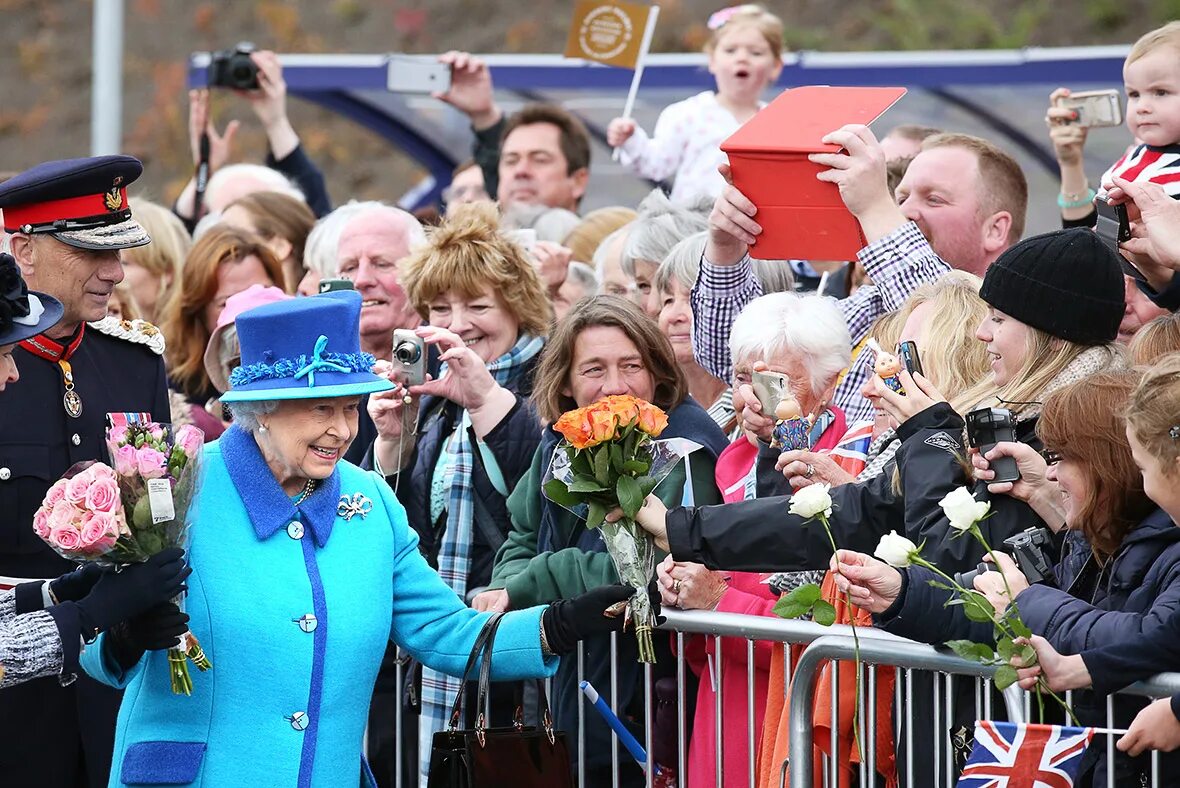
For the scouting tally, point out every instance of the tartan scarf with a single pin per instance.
(454, 555)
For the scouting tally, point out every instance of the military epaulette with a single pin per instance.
(140, 332)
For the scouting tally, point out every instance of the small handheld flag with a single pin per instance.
(1024, 756)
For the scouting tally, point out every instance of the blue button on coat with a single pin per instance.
(363, 579)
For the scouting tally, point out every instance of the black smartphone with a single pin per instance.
(909, 356)
(329, 285)
(985, 428)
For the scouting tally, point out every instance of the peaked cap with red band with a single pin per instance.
(80, 202)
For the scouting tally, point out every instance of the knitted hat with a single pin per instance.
(1066, 283)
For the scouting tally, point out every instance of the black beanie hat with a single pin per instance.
(1066, 283)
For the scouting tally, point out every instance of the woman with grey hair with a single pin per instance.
(659, 227)
(303, 567)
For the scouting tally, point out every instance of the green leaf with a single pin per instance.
(1027, 656)
(1020, 628)
(968, 649)
(977, 608)
(602, 465)
(630, 496)
(1005, 677)
(596, 515)
(636, 467)
(556, 491)
(805, 595)
(785, 608)
(647, 484)
(1006, 649)
(581, 463)
(583, 485)
(823, 613)
(616, 457)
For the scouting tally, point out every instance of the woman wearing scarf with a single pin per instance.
(474, 431)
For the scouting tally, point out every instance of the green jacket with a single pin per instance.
(531, 578)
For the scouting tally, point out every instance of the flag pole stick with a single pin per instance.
(649, 31)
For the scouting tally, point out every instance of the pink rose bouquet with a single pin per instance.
(131, 509)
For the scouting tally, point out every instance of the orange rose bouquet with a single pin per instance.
(610, 459)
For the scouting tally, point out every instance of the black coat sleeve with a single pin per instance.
(299, 167)
(512, 442)
(761, 535)
(932, 463)
(486, 153)
(920, 612)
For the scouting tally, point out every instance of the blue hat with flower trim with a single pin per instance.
(304, 348)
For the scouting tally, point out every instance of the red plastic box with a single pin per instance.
(801, 218)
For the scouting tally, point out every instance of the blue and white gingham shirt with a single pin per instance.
(897, 263)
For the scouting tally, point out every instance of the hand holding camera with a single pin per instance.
(997, 582)
(1029, 563)
(258, 77)
(1067, 135)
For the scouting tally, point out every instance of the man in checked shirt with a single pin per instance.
(961, 203)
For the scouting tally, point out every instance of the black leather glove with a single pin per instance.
(155, 629)
(127, 593)
(567, 621)
(77, 584)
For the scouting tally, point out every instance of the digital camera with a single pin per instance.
(409, 356)
(1030, 549)
(985, 428)
(234, 68)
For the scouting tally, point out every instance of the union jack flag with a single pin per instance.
(1011, 755)
(852, 451)
(1146, 163)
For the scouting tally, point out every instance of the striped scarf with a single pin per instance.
(454, 555)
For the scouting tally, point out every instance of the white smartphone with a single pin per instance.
(407, 74)
(1095, 108)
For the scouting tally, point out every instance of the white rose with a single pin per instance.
(811, 501)
(895, 550)
(962, 509)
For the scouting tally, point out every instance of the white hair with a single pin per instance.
(683, 263)
(415, 234)
(584, 277)
(660, 226)
(599, 258)
(206, 223)
(785, 323)
(272, 180)
(246, 413)
(319, 253)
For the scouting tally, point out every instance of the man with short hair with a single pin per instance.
(960, 204)
(371, 246)
(538, 156)
(68, 220)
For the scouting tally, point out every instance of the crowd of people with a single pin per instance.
(456, 344)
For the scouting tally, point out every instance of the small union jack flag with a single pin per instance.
(1011, 755)
(1146, 163)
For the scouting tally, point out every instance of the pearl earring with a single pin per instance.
(262, 428)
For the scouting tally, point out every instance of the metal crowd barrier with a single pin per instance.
(932, 764)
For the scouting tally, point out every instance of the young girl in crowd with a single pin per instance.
(745, 57)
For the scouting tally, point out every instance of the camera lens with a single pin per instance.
(407, 352)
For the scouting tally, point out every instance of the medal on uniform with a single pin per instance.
(71, 399)
(46, 348)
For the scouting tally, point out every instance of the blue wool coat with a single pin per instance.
(293, 607)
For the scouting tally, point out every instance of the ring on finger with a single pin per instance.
(676, 586)
(810, 471)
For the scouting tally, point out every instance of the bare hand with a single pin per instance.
(552, 261)
(1154, 728)
(1060, 672)
(471, 89)
(619, 131)
(1029, 461)
(870, 584)
(919, 395)
(388, 409)
(753, 421)
(467, 381)
(1068, 136)
(652, 517)
(731, 224)
(269, 101)
(199, 121)
(492, 601)
(690, 586)
(996, 585)
(859, 172)
(802, 468)
(1157, 230)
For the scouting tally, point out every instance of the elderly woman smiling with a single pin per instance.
(303, 565)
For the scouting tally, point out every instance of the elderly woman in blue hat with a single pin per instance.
(303, 565)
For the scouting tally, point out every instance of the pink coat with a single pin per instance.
(748, 595)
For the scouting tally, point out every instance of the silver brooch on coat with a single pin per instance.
(357, 503)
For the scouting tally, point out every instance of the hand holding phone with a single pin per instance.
(1094, 108)
(985, 428)
(771, 388)
(909, 357)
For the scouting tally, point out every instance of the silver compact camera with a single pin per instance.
(409, 356)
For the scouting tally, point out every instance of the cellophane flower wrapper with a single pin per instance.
(157, 469)
(633, 453)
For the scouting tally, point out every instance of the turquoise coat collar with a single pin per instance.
(267, 506)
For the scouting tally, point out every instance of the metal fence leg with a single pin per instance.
(719, 711)
(750, 717)
(649, 716)
(614, 706)
(581, 716)
(681, 713)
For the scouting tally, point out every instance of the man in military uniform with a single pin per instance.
(68, 221)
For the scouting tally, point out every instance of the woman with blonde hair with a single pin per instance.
(150, 270)
(583, 241)
(283, 222)
(224, 262)
(457, 449)
(1158, 338)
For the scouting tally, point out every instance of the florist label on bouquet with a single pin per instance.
(160, 500)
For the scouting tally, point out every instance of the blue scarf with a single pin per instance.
(454, 555)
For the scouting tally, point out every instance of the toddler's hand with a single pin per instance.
(619, 131)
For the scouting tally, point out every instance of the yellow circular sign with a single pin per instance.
(605, 33)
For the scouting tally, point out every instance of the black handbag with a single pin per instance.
(519, 756)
